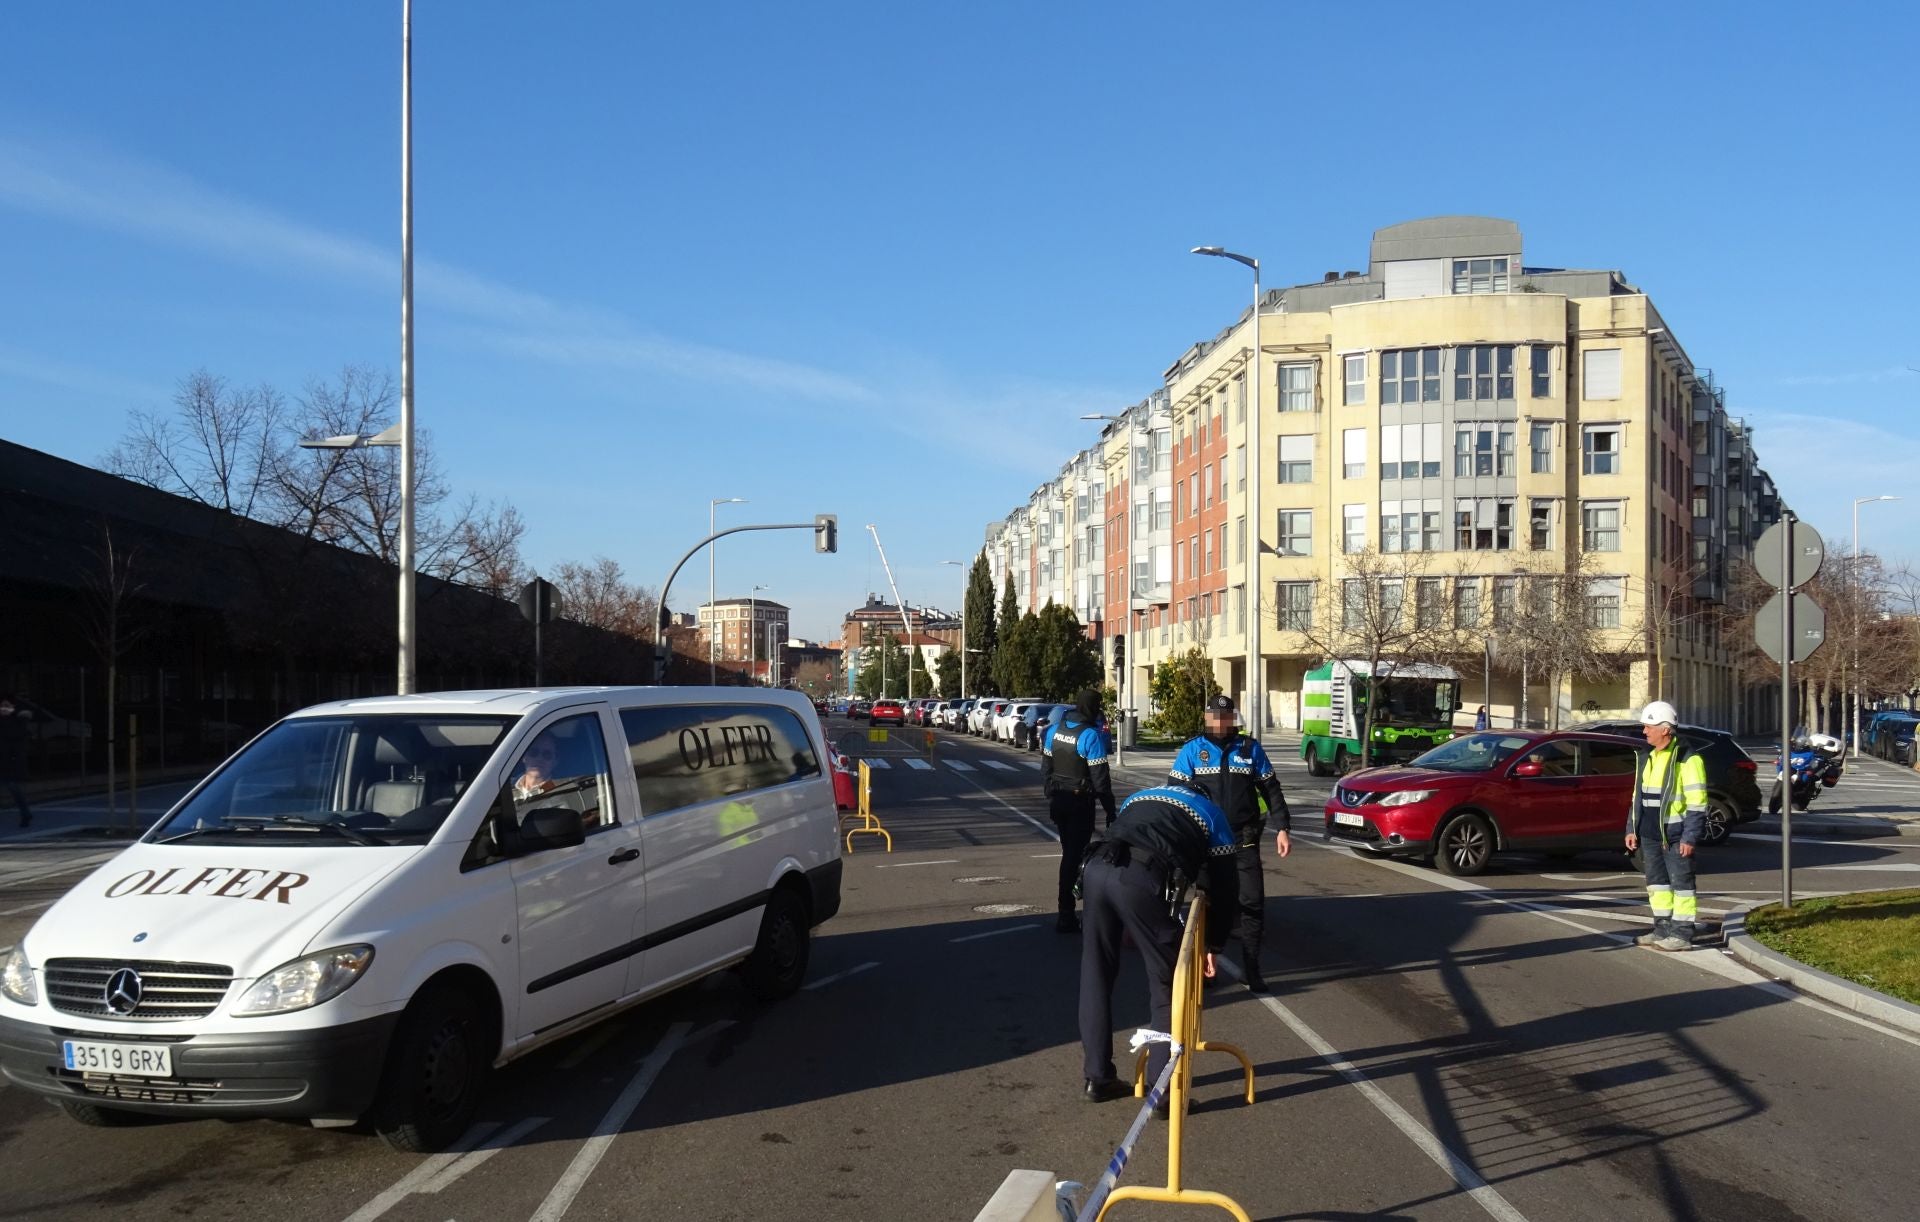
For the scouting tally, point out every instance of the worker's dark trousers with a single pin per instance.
(1253, 902)
(1670, 880)
(1128, 899)
(1072, 815)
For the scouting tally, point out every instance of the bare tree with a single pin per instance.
(597, 593)
(111, 585)
(1566, 628)
(220, 446)
(1389, 609)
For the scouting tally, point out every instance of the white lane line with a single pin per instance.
(824, 981)
(992, 933)
(429, 1168)
(878, 764)
(918, 765)
(1033, 764)
(1483, 1193)
(1003, 767)
(907, 865)
(1881, 866)
(1047, 856)
(1862, 843)
(1043, 829)
(472, 1161)
(960, 765)
(39, 873)
(574, 1178)
(7, 912)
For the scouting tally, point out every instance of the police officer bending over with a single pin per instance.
(1238, 774)
(1135, 883)
(1073, 773)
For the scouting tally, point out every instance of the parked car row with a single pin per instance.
(1889, 735)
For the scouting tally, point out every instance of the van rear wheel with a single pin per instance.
(778, 963)
(435, 1073)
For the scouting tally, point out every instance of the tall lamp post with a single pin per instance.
(712, 618)
(399, 435)
(753, 631)
(963, 629)
(1854, 665)
(1256, 661)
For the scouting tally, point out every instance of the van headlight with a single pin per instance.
(16, 979)
(1406, 797)
(305, 982)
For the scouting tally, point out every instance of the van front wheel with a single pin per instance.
(778, 963)
(96, 1117)
(435, 1073)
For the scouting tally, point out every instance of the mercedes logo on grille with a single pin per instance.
(123, 991)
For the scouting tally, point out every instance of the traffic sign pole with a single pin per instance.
(1786, 713)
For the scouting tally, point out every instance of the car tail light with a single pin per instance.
(1746, 765)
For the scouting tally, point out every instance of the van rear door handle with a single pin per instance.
(621, 859)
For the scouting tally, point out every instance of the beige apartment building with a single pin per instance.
(1478, 421)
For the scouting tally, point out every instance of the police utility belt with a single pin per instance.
(1175, 886)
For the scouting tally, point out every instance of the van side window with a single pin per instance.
(565, 765)
(686, 754)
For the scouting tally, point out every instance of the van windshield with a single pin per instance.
(371, 781)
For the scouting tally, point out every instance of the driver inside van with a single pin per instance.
(542, 781)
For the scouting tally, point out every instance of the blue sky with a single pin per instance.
(876, 259)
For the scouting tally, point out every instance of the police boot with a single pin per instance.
(1250, 969)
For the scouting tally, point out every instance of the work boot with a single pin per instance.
(1106, 1091)
(1648, 938)
(1673, 942)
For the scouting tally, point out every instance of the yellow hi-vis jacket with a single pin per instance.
(1672, 780)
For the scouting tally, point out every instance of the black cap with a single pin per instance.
(1221, 703)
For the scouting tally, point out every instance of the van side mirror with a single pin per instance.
(1527, 768)
(550, 827)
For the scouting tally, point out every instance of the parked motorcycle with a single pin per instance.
(1815, 763)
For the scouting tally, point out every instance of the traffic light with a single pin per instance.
(1119, 653)
(826, 532)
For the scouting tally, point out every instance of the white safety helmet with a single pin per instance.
(1659, 713)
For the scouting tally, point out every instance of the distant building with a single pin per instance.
(743, 628)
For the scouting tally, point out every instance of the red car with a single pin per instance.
(887, 711)
(1491, 792)
(846, 786)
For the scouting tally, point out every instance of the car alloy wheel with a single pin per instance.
(1465, 845)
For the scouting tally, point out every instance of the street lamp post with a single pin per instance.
(1256, 660)
(1854, 663)
(407, 490)
(712, 616)
(753, 631)
(963, 630)
(400, 435)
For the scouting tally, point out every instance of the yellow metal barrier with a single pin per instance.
(1189, 980)
(868, 824)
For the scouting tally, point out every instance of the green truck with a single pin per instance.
(1415, 713)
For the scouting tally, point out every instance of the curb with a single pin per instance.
(1856, 998)
(1024, 1196)
(1853, 829)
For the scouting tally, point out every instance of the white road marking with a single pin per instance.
(960, 765)
(7, 912)
(1048, 856)
(1483, 1193)
(992, 933)
(904, 865)
(574, 1178)
(824, 981)
(45, 870)
(1863, 842)
(877, 763)
(918, 765)
(472, 1161)
(997, 764)
(1587, 878)
(1033, 764)
(1871, 865)
(1044, 830)
(429, 1168)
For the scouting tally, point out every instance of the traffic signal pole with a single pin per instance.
(825, 528)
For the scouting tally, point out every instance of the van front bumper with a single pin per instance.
(326, 1073)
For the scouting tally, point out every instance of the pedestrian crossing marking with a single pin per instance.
(997, 764)
(960, 765)
(878, 763)
(919, 765)
(1033, 764)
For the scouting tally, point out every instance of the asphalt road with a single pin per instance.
(1435, 1049)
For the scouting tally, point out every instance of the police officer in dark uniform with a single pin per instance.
(1164, 840)
(1073, 775)
(1236, 771)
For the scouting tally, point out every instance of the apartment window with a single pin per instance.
(1240, 468)
(1355, 366)
(1393, 596)
(1483, 372)
(1240, 399)
(1353, 453)
(1409, 526)
(1239, 608)
(1294, 602)
(1600, 373)
(1296, 532)
(1239, 540)
(1479, 275)
(1483, 524)
(1466, 602)
(1162, 512)
(1353, 603)
(1390, 527)
(1540, 525)
(1600, 526)
(1430, 601)
(1206, 552)
(1699, 505)
(1193, 506)
(1506, 600)
(1600, 449)
(1410, 375)
(1193, 557)
(1296, 388)
(1482, 449)
(1603, 602)
(1206, 476)
(1410, 451)
(1223, 481)
(1296, 458)
(1542, 357)
(1162, 450)
(1540, 444)
(1353, 528)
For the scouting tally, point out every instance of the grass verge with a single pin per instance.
(1872, 938)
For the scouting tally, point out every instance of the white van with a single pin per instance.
(376, 901)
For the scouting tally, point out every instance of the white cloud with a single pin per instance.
(1821, 463)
